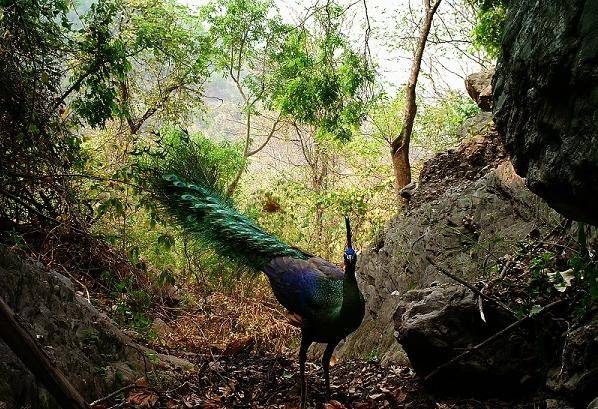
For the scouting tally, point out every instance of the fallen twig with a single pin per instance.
(78, 282)
(113, 394)
(505, 270)
(481, 303)
(488, 340)
(469, 286)
(169, 392)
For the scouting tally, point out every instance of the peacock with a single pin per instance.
(321, 299)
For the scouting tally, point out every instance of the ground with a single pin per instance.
(244, 351)
(271, 381)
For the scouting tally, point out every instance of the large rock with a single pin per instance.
(479, 88)
(438, 323)
(458, 215)
(82, 342)
(577, 374)
(546, 101)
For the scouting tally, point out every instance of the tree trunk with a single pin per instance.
(319, 174)
(230, 190)
(26, 349)
(402, 167)
(400, 145)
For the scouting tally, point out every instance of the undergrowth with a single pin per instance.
(248, 318)
(203, 313)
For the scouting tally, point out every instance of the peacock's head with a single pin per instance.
(350, 256)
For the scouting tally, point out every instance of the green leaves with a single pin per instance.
(102, 60)
(357, 181)
(438, 125)
(124, 45)
(488, 32)
(308, 73)
(241, 33)
(193, 158)
(320, 81)
(535, 310)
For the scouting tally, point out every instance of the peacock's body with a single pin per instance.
(322, 300)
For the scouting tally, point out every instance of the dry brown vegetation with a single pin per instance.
(246, 317)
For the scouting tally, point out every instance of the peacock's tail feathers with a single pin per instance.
(205, 215)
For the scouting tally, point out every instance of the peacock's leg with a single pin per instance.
(326, 366)
(305, 343)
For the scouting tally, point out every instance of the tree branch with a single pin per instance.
(268, 137)
(469, 286)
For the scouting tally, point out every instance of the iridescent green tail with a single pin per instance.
(211, 219)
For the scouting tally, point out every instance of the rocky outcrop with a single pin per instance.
(546, 101)
(470, 207)
(479, 88)
(82, 342)
(480, 152)
(438, 323)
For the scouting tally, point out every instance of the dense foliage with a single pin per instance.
(36, 142)
(60, 72)
(322, 82)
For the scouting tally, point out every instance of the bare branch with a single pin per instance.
(469, 286)
(268, 137)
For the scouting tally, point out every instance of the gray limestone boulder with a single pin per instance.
(577, 374)
(438, 323)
